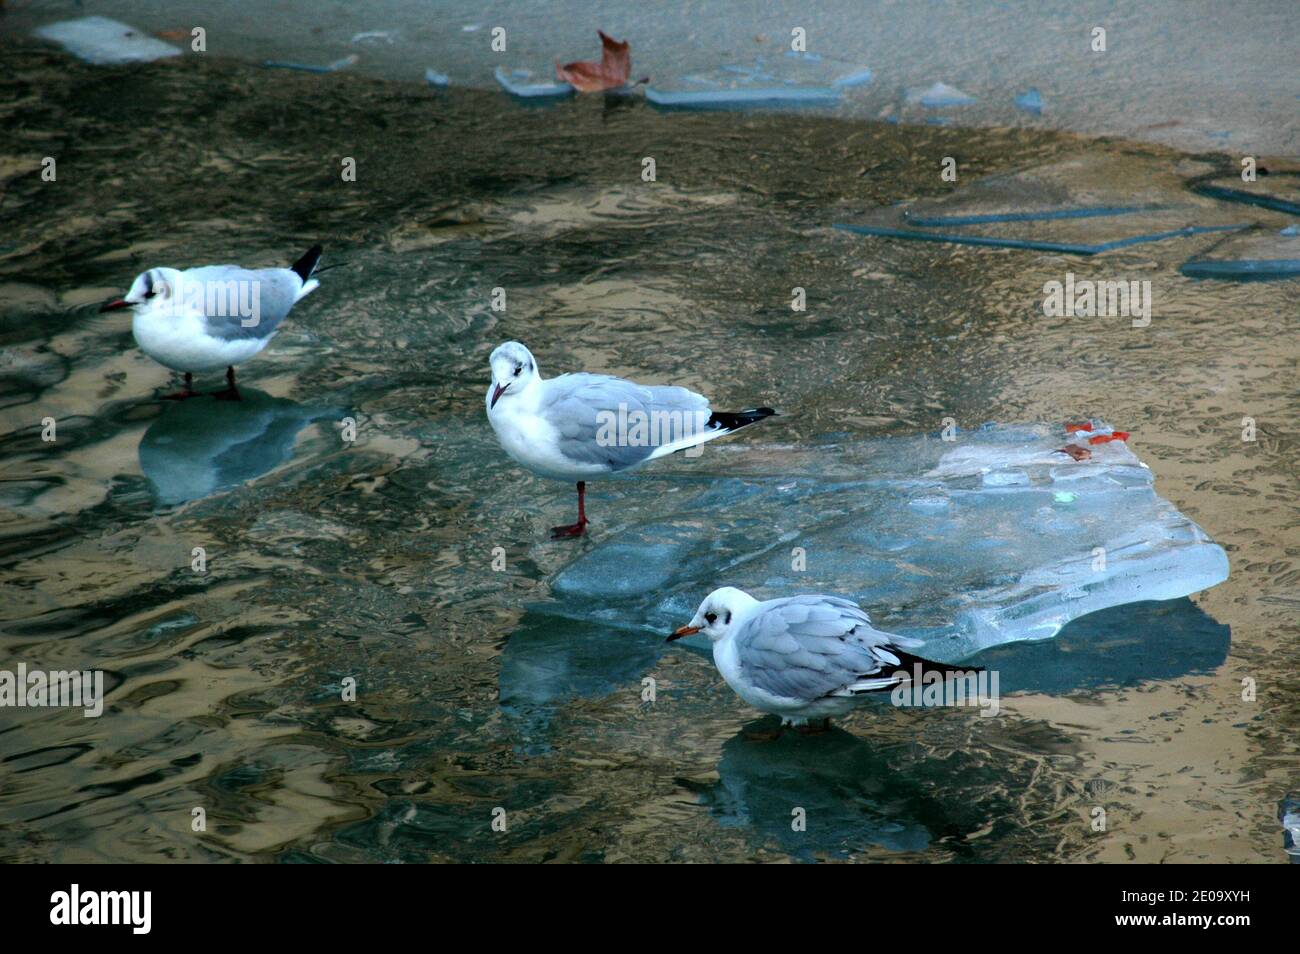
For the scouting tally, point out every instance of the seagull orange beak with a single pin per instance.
(683, 631)
(496, 395)
(115, 305)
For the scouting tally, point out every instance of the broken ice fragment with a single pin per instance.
(1246, 270)
(1031, 101)
(312, 67)
(857, 78)
(963, 545)
(1086, 212)
(1288, 812)
(103, 41)
(777, 96)
(939, 95)
(1065, 247)
(1246, 198)
(515, 82)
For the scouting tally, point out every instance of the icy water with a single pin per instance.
(479, 689)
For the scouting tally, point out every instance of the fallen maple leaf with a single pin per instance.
(1075, 451)
(1073, 428)
(1107, 438)
(611, 72)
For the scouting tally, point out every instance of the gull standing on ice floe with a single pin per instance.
(218, 316)
(579, 426)
(802, 657)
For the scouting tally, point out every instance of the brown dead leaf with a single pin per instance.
(1075, 451)
(611, 72)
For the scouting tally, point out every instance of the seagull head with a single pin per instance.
(513, 370)
(155, 288)
(719, 615)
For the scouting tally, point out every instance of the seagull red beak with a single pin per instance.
(115, 305)
(496, 395)
(683, 631)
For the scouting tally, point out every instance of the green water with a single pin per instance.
(373, 560)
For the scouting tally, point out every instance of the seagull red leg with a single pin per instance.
(186, 392)
(231, 393)
(574, 529)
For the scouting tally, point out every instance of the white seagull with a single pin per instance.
(218, 316)
(802, 657)
(579, 426)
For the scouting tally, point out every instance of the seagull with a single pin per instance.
(218, 316)
(802, 657)
(580, 426)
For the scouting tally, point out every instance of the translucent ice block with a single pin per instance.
(995, 537)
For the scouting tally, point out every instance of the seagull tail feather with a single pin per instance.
(735, 420)
(304, 267)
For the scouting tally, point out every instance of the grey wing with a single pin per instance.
(806, 647)
(596, 417)
(243, 303)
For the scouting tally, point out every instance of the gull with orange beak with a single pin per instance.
(801, 657)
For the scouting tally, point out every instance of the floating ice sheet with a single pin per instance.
(745, 98)
(1031, 101)
(1245, 270)
(994, 538)
(517, 83)
(103, 41)
(1068, 248)
(341, 64)
(939, 96)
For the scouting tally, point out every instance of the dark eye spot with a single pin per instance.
(518, 368)
(728, 619)
(710, 618)
(150, 293)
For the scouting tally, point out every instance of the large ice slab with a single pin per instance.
(994, 537)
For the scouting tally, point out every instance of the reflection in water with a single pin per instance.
(547, 663)
(1120, 646)
(201, 446)
(850, 795)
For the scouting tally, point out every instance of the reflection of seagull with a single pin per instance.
(218, 316)
(802, 657)
(196, 449)
(579, 426)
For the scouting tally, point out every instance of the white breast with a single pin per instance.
(177, 340)
(534, 444)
